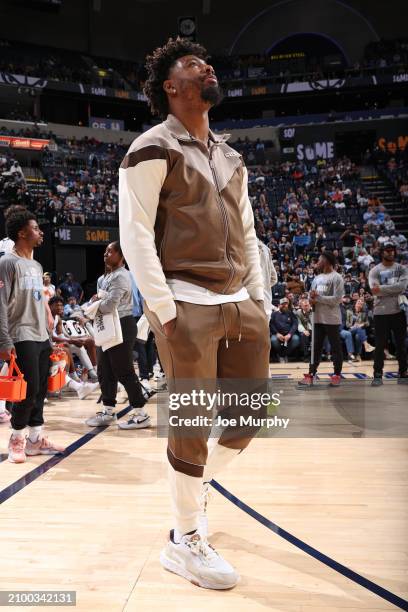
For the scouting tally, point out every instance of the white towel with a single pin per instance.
(107, 330)
(143, 328)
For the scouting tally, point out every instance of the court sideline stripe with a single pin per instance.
(313, 552)
(38, 471)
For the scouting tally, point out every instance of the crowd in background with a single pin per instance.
(60, 65)
(300, 209)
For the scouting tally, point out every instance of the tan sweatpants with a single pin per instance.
(228, 341)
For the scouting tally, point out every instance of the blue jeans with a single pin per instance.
(360, 336)
(348, 340)
(284, 351)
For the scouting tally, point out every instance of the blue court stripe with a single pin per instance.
(313, 552)
(25, 480)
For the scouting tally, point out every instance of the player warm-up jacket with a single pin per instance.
(185, 214)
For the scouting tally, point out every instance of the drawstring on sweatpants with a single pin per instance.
(225, 325)
(240, 322)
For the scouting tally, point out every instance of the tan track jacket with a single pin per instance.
(184, 213)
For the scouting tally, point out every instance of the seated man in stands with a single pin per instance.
(70, 287)
(304, 316)
(283, 325)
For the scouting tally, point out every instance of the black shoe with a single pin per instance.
(377, 381)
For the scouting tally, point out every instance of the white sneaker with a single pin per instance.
(203, 518)
(368, 347)
(102, 418)
(147, 392)
(86, 389)
(137, 420)
(197, 561)
(146, 383)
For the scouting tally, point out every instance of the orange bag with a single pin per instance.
(13, 388)
(57, 380)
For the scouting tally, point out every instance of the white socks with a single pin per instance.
(108, 409)
(218, 458)
(34, 433)
(186, 490)
(185, 497)
(18, 433)
(73, 384)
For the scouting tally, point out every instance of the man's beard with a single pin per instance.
(212, 94)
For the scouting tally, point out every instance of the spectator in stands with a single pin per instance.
(348, 237)
(72, 308)
(304, 316)
(370, 218)
(389, 224)
(48, 287)
(358, 324)
(345, 334)
(403, 190)
(283, 326)
(383, 237)
(368, 237)
(354, 269)
(70, 287)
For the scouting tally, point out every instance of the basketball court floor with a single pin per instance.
(312, 523)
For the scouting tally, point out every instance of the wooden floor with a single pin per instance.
(95, 523)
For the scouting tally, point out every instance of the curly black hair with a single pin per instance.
(158, 66)
(56, 299)
(17, 217)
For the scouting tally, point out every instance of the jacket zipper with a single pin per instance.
(160, 251)
(225, 218)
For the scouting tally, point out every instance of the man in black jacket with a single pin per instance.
(284, 324)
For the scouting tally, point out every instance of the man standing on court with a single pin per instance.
(325, 296)
(388, 282)
(187, 232)
(23, 332)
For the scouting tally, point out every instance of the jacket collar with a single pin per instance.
(177, 129)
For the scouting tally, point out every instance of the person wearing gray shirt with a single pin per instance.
(326, 294)
(269, 275)
(23, 332)
(388, 281)
(116, 363)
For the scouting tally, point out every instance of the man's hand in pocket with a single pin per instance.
(168, 327)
